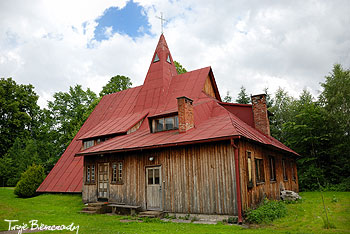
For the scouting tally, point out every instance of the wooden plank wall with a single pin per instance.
(270, 189)
(208, 87)
(195, 179)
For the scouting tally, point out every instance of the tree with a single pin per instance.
(69, 111)
(306, 133)
(179, 68)
(282, 110)
(269, 99)
(18, 108)
(335, 98)
(227, 98)
(243, 98)
(116, 84)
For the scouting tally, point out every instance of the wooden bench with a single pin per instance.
(131, 208)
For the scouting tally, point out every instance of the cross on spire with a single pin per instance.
(162, 20)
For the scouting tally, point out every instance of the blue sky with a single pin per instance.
(130, 20)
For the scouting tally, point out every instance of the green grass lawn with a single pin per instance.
(58, 209)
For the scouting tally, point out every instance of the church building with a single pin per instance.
(172, 145)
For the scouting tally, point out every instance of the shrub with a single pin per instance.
(30, 181)
(232, 219)
(267, 212)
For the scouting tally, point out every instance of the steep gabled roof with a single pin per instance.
(117, 113)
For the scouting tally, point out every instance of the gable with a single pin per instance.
(208, 87)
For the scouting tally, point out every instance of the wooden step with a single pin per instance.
(87, 212)
(91, 208)
(151, 214)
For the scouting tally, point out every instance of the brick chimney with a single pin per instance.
(185, 112)
(260, 114)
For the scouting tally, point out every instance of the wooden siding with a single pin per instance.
(270, 189)
(208, 87)
(195, 179)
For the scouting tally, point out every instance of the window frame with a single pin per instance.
(88, 143)
(117, 174)
(175, 120)
(90, 173)
(259, 171)
(272, 167)
(250, 183)
(293, 165)
(284, 170)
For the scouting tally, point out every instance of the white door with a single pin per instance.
(103, 180)
(154, 188)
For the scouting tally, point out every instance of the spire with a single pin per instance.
(158, 78)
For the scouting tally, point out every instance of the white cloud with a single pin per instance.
(257, 44)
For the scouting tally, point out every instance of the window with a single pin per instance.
(153, 177)
(272, 169)
(168, 59)
(117, 173)
(159, 125)
(156, 58)
(90, 174)
(285, 176)
(292, 165)
(88, 144)
(249, 170)
(259, 166)
(114, 173)
(165, 124)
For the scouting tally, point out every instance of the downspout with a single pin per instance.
(238, 184)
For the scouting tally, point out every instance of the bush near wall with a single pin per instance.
(30, 181)
(267, 212)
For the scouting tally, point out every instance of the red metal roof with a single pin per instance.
(118, 112)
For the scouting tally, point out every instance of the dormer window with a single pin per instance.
(156, 58)
(88, 144)
(165, 123)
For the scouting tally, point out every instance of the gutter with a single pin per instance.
(238, 180)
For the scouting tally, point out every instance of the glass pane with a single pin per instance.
(101, 177)
(156, 58)
(169, 123)
(168, 59)
(176, 118)
(156, 176)
(150, 176)
(159, 125)
(249, 169)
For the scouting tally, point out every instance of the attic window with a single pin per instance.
(165, 124)
(168, 59)
(156, 58)
(88, 144)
